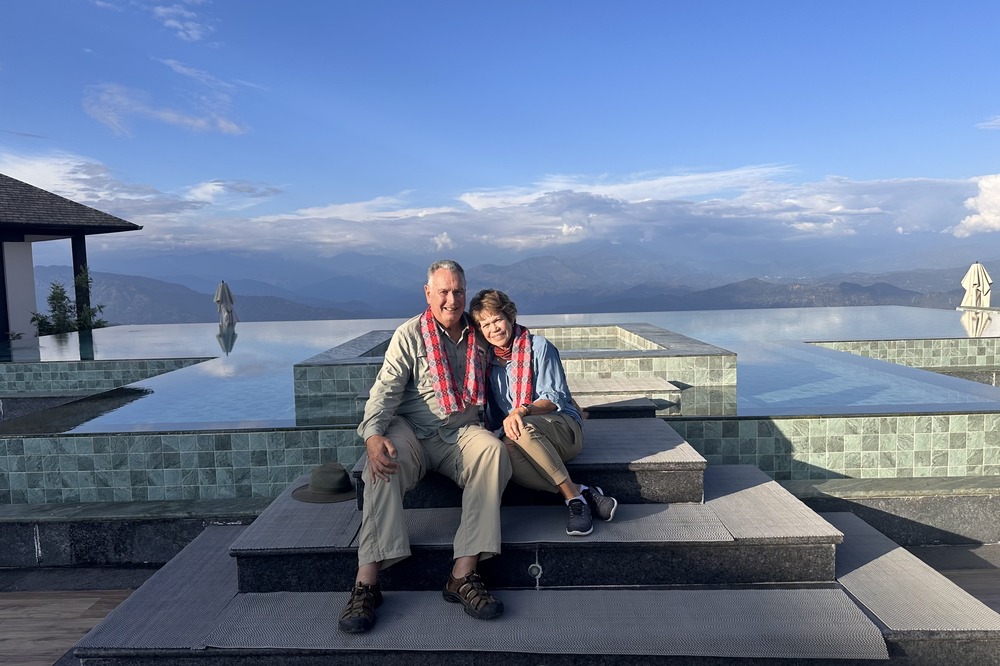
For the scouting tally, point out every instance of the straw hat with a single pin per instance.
(328, 482)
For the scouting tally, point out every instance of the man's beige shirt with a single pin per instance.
(404, 387)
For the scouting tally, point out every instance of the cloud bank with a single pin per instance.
(720, 212)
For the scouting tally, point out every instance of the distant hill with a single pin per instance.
(131, 299)
(600, 281)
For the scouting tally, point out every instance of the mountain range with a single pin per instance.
(356, 286)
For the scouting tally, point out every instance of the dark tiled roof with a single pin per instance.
(26, 209)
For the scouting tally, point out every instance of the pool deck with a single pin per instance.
(786, 377)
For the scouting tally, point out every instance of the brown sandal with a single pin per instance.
(471, 593)
(358, 615)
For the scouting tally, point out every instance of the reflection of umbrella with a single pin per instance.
(977, 287)
(224, 299)
(975, 322)
(226, 337)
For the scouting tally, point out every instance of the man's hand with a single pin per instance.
(381, 457)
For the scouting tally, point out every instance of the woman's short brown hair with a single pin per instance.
(492, 300)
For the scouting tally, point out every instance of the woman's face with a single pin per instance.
(496, 328)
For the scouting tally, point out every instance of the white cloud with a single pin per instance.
(443, 242)
(380, 208)
(198, 75)
(206, 108)
(989, 123)
(634, 189)
(231, 195)
(986, 205)
(748, 212)
(186, 24)
(115, 105)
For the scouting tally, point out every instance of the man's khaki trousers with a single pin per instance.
(477, 463)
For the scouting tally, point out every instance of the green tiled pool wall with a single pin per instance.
(929, 353)
(881, 446)
(333, 393)
(717, 370)
(330, 387)
(594, 337)
(166, 466)
(70, 377)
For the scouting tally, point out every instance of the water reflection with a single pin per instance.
(254, 385)
(227, 337)
(67, 416)
(976, 322)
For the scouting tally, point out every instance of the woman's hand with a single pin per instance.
(513, 425)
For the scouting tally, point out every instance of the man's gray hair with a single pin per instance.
(448, 265)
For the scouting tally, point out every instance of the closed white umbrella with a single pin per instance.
(977, 287)
(224, 300)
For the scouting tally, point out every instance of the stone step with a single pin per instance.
(924, 616)
(625, 397)
(638, 460)
(885, 606)
(648, 387)
(617, 407)
(192, 612)
(748, 530)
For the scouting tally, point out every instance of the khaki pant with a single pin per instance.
(479, 465)
(546, 443)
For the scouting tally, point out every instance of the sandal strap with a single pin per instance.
(361, 603)
(473, 590)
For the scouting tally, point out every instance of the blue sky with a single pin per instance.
(837, 133)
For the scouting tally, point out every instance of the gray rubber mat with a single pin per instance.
(762, 623)
(179, 603)
(288, 523)
(633, 523)
(900, 590)
(755, 508)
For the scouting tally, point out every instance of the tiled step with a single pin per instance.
(616, 407)
(191, 612)
(749, 530)
(642, 460)
(626, 387)
(626, 397)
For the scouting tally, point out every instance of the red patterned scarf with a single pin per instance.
(519, 364)
(445, 387)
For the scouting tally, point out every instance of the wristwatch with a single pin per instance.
(527, 408)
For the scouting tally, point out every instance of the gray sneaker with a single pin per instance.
(580, 523)
(603, 506)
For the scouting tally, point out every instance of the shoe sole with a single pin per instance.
(453, 598)
(352, 629)
(578, 533)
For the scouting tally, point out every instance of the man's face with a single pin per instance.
(446, 295)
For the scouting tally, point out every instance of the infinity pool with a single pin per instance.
(778, 374)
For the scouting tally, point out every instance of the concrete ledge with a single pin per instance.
(913, 511)
(111, 533)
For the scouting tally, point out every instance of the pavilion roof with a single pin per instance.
(26, 210)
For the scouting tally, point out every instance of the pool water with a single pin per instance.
(777, 372)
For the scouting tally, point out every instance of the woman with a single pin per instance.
(529, 400)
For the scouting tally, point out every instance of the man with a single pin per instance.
(423, 414)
